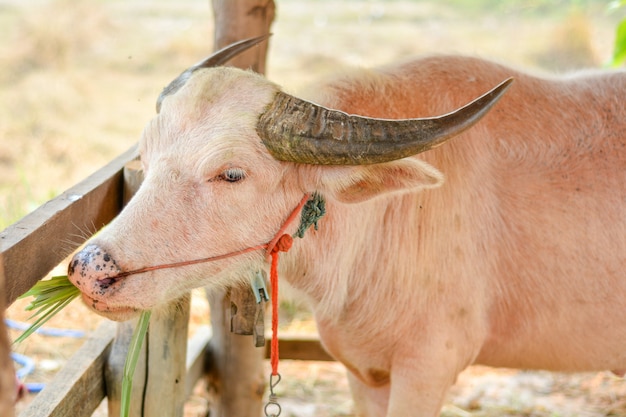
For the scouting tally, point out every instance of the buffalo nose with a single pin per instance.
(92, 266)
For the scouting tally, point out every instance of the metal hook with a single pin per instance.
(273, 399)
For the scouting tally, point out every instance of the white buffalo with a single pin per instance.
(504, 246)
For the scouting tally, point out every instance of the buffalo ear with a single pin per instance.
(355, 184)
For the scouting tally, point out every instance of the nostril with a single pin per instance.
(72, 266)
(95, 264)
(106, 282)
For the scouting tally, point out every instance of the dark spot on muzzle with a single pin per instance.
(93, 268)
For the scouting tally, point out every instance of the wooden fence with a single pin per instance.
(169, 369)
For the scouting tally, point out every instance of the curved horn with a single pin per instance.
(296, 130)
(218, 58)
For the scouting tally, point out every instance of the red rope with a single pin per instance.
(269, 247)
(282, 245)
(192, 262)
(274, 353)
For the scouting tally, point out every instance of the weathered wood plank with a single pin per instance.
(196, 357)
(236, 379)
(167, 350)
(242, 311)
(236, 20)
(114, 367)
(159, 382)
(41, 240)
(7, 372)
(78, 388)
(242, 19)
(292, 347)
(114, 371)
(300, 347)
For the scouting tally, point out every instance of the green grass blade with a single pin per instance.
(51, 296)
(47, 285)
(131, 361)
(51, 311)
(60, 295)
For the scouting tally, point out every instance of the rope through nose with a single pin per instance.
(269, 247)
(281, 242)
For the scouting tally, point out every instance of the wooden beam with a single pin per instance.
(292, 347)
(242, 19)
(236, 379)
(167, 349)
(196, 357)
(114, 371)
(114, 366)
(41, 240)
(300, 347)
(236, 20)
(7, 372)
(159, 382)
(78, 388)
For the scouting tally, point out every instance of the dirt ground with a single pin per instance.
(79, 80)
(320, 389)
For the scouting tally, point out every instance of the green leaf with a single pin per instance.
(619, 49)
(131, 361)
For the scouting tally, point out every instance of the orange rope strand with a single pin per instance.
(282, 245)
(192, 262)
(269, 247)
(274, 355)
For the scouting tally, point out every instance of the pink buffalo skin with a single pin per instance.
(505, 246)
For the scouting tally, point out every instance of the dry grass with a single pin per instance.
(79, 79)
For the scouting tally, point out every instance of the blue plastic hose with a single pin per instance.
(27, 365)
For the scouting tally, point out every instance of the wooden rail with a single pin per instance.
(79, 387)
(41, 240)
(7, 374)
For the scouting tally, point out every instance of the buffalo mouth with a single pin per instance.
(112, 312)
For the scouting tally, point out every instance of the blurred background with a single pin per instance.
(79, 80)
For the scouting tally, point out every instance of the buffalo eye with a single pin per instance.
(232, 175)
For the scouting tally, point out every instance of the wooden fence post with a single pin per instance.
(159, 380)
(241, 19)
(236, 380)
(7, 373)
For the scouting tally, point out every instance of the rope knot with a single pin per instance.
(283, 244)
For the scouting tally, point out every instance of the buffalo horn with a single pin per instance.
(299, 131)
(218, 58)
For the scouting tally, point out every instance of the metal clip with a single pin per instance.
(258, 286)
(260, 293)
